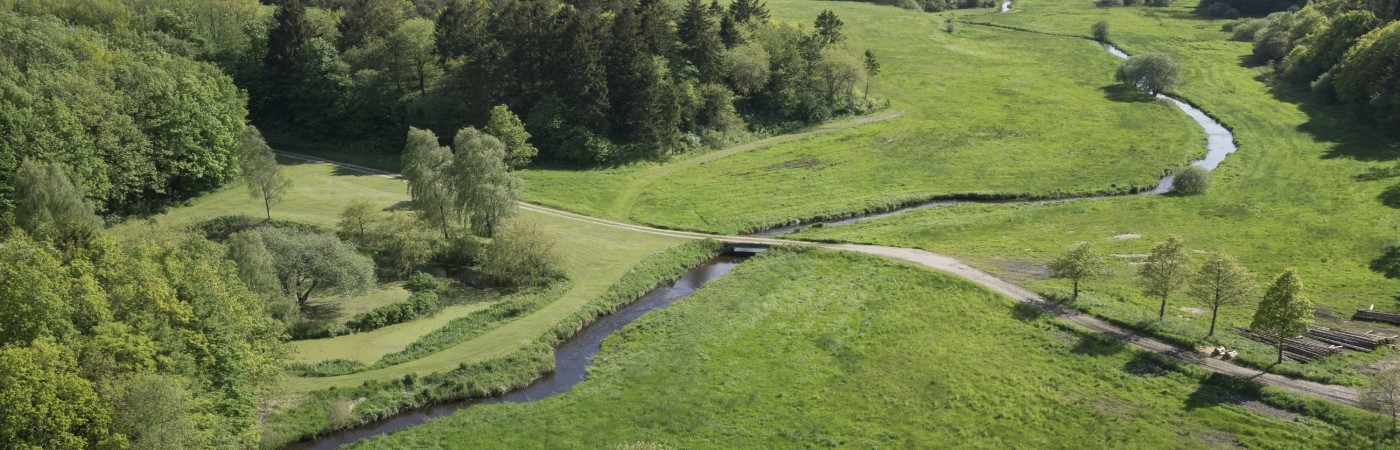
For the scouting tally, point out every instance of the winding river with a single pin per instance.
(571, 359)
(1220, 142)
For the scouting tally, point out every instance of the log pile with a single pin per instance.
(1377, 316)
(1364, 342)
(1294, 349)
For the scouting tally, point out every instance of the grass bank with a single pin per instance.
(814, 348)
(336, 408)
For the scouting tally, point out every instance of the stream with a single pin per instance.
(571, 358)
(1220, 142)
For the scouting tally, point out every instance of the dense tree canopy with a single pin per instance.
(133, 124)
(98, 341)
(1345, 50)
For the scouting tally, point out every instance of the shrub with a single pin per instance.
(1152, 72)
(522, 255)
(425, 282)
(1108, 3)
(1100, 31)
(1245, 30)
(327, 368)
(1157, 3)
(1192, 180)
(418, 305)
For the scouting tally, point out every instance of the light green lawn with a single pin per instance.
(842, 350)
(1291, 196)
(986, 112)
(370, 346)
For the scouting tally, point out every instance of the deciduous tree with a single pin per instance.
(1165, 270)
(506, 127)
(310, 263)
(1219, 283)
(1285, 311)
(265, 179)
(1382, 396)
(1078, 263)
(483, 188)
(49, 206)
(357, 218)
(426, 165)
(1152, 72)
(521, 254)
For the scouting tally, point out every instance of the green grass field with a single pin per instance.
(1293, 196)
(985, 112)
(823, 349)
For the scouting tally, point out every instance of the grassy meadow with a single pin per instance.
(985, 112)
(816, 349)
(1297, 194)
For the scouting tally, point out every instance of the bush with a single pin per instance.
(522, 255)
(1245, 30)
(425, 282)
(420, 304)
(1100, 31)
(1193, 180)
(1152, 72)
(1158, 3)
(327, 368)
(1108, 3)
(464, 251)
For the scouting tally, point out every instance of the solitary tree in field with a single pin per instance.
(1221, 282)
(483, 187)
(1165, 271)
(1100, 31)
(1152, 72)
(872, 68)
(1285, 311)
(265, 178)
(1193, 180)
(1078, 263)
(357, 218)
(1383, 394)
(309, 263)
(426, 165)
(506, 127)
(48, 205)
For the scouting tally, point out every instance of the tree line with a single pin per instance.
(594, 81)
(1344, 51)
(936, 5)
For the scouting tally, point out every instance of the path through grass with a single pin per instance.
(836, 349)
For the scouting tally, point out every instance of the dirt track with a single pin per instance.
(1339, 394)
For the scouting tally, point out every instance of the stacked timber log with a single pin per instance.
(1297, 350)
(1364, 342)
(1377, 316)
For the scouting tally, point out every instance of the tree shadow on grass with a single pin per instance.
(1332, 124)
(1126, 94)
(1093, 344)
(320, 310)
(1026, 313)
(1390, 196)
(1151, 365)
